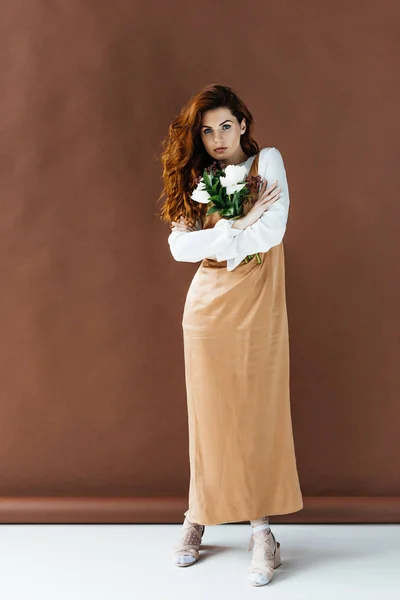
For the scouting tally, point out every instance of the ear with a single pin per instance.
(243, 126)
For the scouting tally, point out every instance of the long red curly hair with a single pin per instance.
(184, 156)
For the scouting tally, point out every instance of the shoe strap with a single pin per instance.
(252, 541)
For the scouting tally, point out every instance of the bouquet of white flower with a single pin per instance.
(225, 190)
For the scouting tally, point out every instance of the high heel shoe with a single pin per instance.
(186, 552)
(266, 557)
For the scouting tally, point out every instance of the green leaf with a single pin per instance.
(218, 203)
(225, 201)
(212, 210)
(207, 179)
(236, 204)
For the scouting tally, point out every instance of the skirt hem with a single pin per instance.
(244, 519)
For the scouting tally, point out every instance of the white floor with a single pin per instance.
(117, 562)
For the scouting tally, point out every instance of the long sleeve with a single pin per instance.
(192, 246)
(233, 245)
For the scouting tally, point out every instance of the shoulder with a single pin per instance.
(270, 155)
(270, 152)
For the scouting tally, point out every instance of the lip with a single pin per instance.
(220, 149)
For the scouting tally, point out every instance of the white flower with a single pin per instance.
(202, 185)
(234, 174)
(231, 189)
(200, 194)
(233, 178)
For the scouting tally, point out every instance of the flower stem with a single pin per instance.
(250, 256)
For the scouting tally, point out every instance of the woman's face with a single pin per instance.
(219, 128)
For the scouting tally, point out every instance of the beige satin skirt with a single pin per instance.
(236, 352)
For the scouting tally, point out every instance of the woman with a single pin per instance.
(235, 331)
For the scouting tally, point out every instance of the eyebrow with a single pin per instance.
(219, 124)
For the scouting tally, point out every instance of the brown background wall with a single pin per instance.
(92, 396)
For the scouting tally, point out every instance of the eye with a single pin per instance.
(209, 129)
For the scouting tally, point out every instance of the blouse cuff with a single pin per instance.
(227, 223)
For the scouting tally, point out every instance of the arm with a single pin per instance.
(269, 229)
(192, 246)
(228, 243)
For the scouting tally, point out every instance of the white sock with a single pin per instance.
(259, 524)
(259, 528)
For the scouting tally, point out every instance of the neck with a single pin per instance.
(235, 159)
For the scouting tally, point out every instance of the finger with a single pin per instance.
(272, 200)
(268, 201)
(267, 191)
(262, 187)
(268, 205)
(273, 194)
(273, 186)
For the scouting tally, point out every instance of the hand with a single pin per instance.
(181, 225)
(266, 197)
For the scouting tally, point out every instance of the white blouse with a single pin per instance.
(233, 245)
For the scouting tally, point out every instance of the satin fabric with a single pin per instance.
(236, 352)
